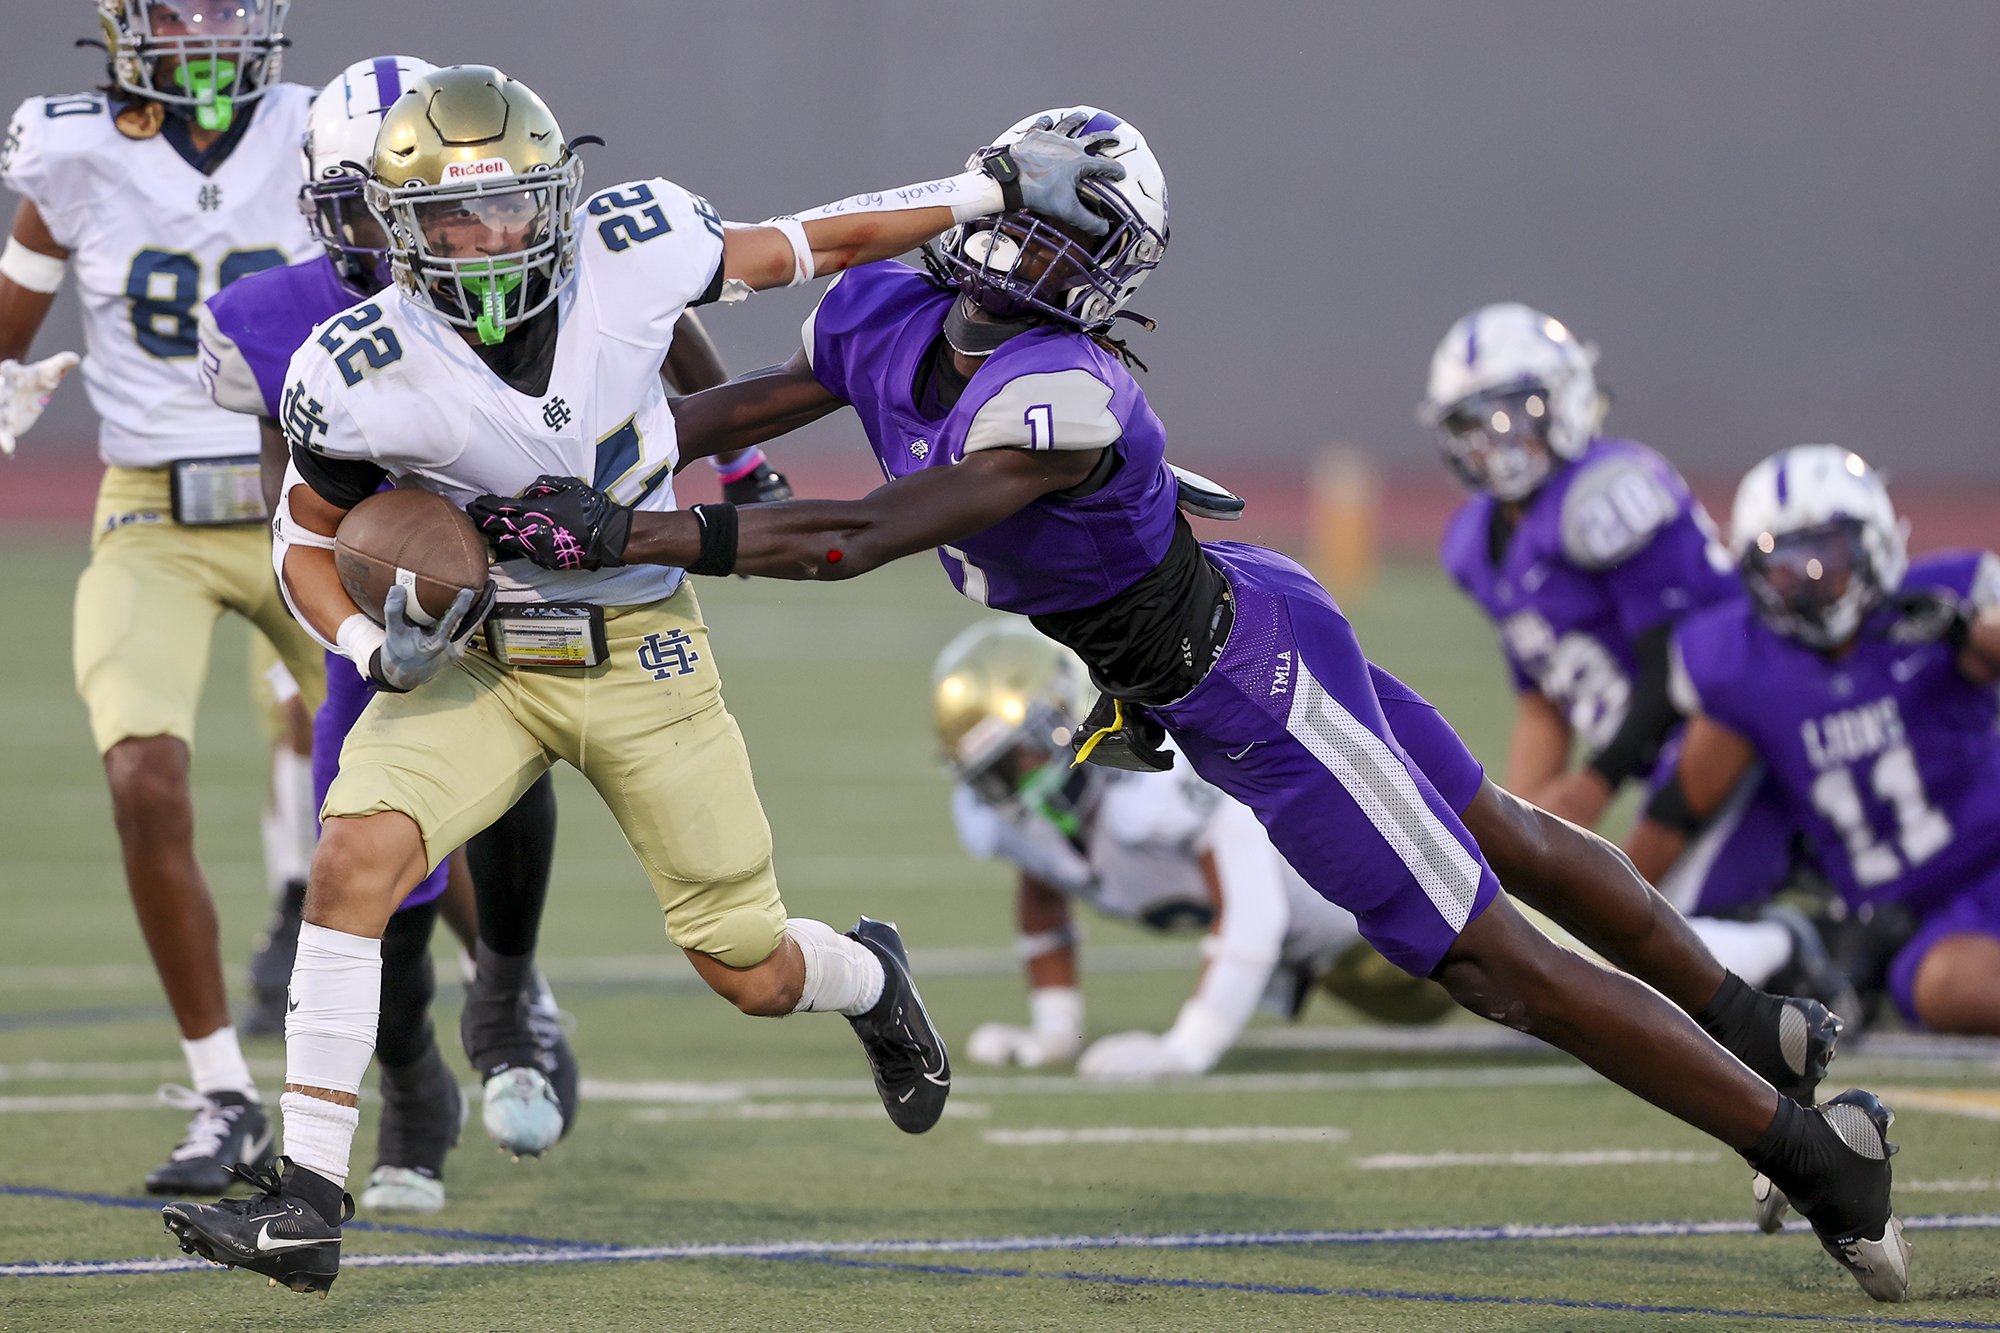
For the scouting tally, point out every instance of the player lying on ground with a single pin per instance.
(1864, 682)
(525, 333)
(177, 180)
(1585, 551)
(1021, 447)
(511, 1031)
(1165, 850)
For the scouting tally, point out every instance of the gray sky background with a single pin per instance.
(1778, 219)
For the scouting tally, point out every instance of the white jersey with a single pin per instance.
(149, 238)
(391, 382)
(1142, 843)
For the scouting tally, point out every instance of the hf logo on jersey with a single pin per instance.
(302, 417)
(669, 654)
(210, 198)
(555, 414)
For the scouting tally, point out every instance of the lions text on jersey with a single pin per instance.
(390, 382)
(150, 237)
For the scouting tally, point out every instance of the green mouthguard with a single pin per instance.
(492, 291)
(200, 79)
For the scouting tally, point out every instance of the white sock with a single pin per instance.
(842, 975)
(319, 1134)
(216, 1064)
(291, 820)
(1055, 1013)
(1753, 950)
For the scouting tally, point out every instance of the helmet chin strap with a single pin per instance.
(970, 331)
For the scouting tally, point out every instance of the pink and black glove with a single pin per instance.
(559, 523)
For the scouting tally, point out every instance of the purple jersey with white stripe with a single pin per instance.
(1887, 755)
(265, 317)
(868, 340)
(1610, 547)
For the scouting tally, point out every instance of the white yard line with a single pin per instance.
(1946, 1186)
(868, 1110)
(1396, 1161)
(1043, 1138)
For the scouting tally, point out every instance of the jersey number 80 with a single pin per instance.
(164, 287)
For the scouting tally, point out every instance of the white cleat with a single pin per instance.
(398, 1189)
(1770, 1204)
(522, 1112)
(1881, 1266)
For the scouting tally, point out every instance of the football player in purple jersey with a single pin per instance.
(1864, 681)
(1585, 550)
(1016, 442)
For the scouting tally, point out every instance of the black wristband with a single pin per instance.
(1001, 167)
(718, 540)
(375, 676)
(1670, 807)
(612, 534)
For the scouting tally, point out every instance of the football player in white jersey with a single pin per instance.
(178, 179)
(524, 338)
(1163, 849)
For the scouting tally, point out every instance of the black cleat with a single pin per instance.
(278, 1232)
(1850, 1212)
(912, 1069)
(515, 1037)
(1787, 1040)
(228, 1129)
(271, 966)
(1810, 972)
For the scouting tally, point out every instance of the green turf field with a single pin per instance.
(710, 1129)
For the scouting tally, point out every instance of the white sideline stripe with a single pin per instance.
(1512, 1231)
(1383, 789)
(1453, 1039)
(868, 1110)
(1947, 1186)
(1038, 1138)
(1398, 1161)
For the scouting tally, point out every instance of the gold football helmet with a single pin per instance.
(1007, 702)
(208, 56)
(477, 190)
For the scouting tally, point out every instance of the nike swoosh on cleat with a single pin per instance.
(253, 1152)
(906, 1096)
(266, 1243)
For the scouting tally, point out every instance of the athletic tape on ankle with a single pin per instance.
(842, 975)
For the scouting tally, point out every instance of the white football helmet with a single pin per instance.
(1509, 387)
(340, 149)
(1086, 281)
(1818, 542)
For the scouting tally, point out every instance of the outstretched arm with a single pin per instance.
(751, 409)
(1042, 173)
(1713, 760)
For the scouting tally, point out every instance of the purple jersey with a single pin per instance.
(1612, 546)
(1887, 756)
(250, 329)
(1045, 389)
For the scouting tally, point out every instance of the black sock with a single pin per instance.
(1831, 1184)
(310, 1187)
(493, 1027)
(1765, 1033)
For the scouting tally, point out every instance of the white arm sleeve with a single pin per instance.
(287, 533)
(970, 194)
(1246, 945)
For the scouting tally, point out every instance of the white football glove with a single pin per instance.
(1128, 1056)
(24, 392)
(1005, 1044)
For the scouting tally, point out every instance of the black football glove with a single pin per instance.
(1930, 615)
(762, 485)
(1122, 735)
(560, 523)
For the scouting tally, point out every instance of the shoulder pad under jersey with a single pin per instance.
(1612, 508)
(1986, 581)
(1061, 409)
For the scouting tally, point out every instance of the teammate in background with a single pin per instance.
(177, 181)
(1166, 850)
(1865, 683)
(1018, 444)
(525, 333)
(1585, 551)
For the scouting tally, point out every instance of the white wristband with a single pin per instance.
(31, 269)
(802, 252)
(357, 639)
(970, 194)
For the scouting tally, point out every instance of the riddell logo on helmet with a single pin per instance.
(480, 170)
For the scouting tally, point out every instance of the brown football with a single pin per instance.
(412, 536)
